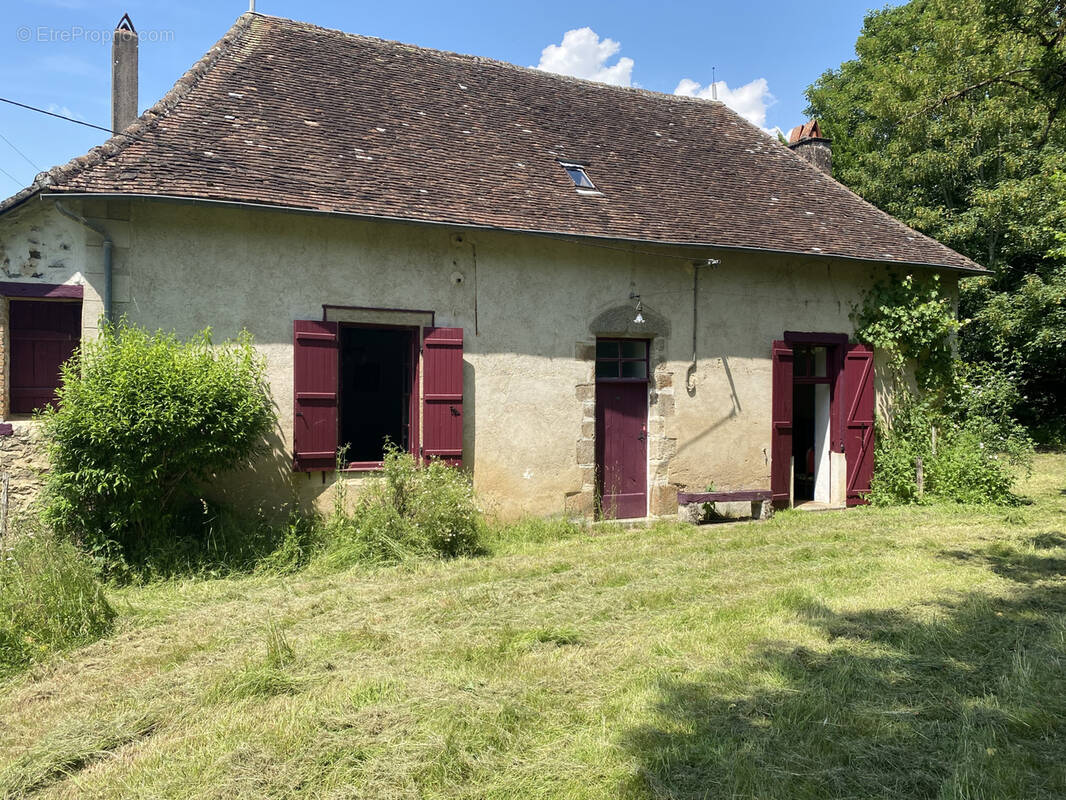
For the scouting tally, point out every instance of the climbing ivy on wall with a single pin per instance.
(912, 322)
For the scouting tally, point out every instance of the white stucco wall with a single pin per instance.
(526, 376)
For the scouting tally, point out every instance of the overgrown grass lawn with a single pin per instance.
(911, 653)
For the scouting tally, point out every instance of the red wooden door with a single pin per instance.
(44, 334)
(622, 452)
(859, 421)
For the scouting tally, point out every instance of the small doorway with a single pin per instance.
(812, 403)
(622, 428)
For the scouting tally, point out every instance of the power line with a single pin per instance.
(108, 131)
(27, 158)
(18, 183)
(57, 116)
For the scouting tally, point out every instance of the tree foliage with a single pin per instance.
(142, 419)
(951, 117)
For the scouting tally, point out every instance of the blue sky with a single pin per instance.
(55, 54)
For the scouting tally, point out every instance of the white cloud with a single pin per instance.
(583, 54)
(750, 100)
(66, 112)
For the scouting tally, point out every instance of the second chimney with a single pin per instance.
(807, 142)
(123, 75)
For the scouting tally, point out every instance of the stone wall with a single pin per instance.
(22, 465)
(5, 346)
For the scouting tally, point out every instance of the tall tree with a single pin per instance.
(952, 117)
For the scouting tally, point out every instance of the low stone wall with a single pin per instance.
(22, 466)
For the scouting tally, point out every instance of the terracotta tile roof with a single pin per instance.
(286, 113)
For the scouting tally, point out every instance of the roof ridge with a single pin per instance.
(120, 140)
(455, 55)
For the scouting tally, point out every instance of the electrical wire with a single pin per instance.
(53, 114)
(28, 160)
(131, 137)
(18, 183)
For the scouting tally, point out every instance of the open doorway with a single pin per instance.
(811, 413)
(822, 416)
(376, 380)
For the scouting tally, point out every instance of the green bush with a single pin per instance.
(974, 459)
(407, 511)
(50, 599)
(143, 418)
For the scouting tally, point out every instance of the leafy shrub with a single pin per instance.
(972, 461)
(50, 599)
(142, 419)
(1023, 330)
(408, 510)
(963, 427)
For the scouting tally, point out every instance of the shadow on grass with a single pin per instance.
(967, 700)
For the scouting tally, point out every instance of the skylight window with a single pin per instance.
(578, 175)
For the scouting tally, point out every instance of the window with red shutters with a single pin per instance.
(44, 334)
(355, 387)
(442, 409)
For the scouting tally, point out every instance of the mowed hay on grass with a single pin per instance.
(909, 652)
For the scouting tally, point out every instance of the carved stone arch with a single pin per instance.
(618, 321)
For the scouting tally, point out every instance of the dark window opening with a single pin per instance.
(803, 453)
(44, 334)
(376, 377)
(621, 360)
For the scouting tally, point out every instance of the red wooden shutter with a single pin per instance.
(316, 350)
(781, 436)
(859, 421)
(442, 410)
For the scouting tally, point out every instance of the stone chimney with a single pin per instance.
(123, 75)
(807, 142)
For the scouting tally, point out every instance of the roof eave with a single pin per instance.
(974, 271)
